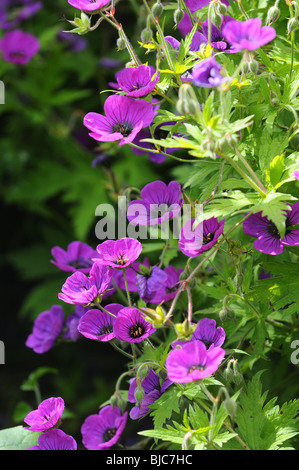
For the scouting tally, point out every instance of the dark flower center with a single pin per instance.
(121, 260)
(196, 367)
(273, 230)
(17, 55)
(125, 129)
(206, 342)
(220, 39)
(80, 263)
(207, 238)
(109, 434)
(137, 330)
(106, 330)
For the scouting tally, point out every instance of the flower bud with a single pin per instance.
(216, 18)
(253, 66)
(118, 401)
(121, 44)
(157, 9)
(222, 8)
(273, 14)
(292, 25)
(139, 392)
(178, 16)
(230, 406)
(146, 35)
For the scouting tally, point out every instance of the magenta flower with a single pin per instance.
(119, 253)
(131, 326)
(296, 174)
(217, 39)
(98, 325)
(268, 238)
(137, 81)
(169, 288)
(101, 431)
(197, 40)
(152, 391)
(194, 242)
(124, 118)
(18, 47)
(71, 324)
(149, 284)
(88, 5)
(46, 415)
(55, 439)
(77, 257)
(207, 332)
(80, 289)
(247, 35)
(208, 74)
(159, 133)
(195, 5)
(12, 12)
(46, 328)
(159, 202)
(193, 362)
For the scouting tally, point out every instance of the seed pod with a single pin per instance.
(146, 35)
(121, 44)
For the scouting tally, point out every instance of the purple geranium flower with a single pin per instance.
(296, 174)
(208, 74)
(101, 431)
(195, 5)
(159, 202)
(268, 238)
(197, 40)
(119, 253)
(80, 289)
(77, 257)
(207, 332)
(193, 362)
(98, 325)
(152, 391)
(217, 39)
(88, 5)
(194, 242)
(131, 326)
(149, 284)
(131, 273)
(47, 327)
(12, 12)
(19, 47)
(47, 414)
(137, 81)
(168, 290)
(159, 133)
(247, 35)
(72, 321)
(124, 118)
(55, 439)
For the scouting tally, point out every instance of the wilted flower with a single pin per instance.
(152, 391)
(124, 118)
(208, 74)
(46, 328)
(101, 431)
(46, 415)
(19, 47)
(55, 439)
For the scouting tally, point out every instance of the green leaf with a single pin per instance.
(17, 438)
(33, 378)
(275, 170)
(165, 406)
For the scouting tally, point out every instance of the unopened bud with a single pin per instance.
(178, 16)
(216, 18)
(118, 401)
(273, 14)
(230, 406)
(157, 9)
(222, 8)
(146, 35)
(254, 66)
(292, 25)
(121, 44)
(139, 395)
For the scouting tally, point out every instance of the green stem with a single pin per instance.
(130, 356)
(127, 288)
(248, 167)
(160, 152)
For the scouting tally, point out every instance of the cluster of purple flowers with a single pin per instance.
(17, 46)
